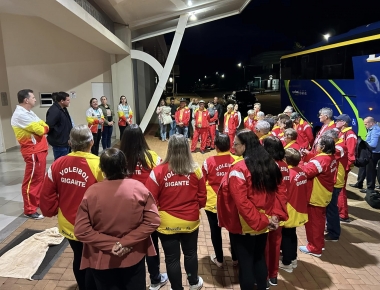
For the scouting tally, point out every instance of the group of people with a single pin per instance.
(114, 209)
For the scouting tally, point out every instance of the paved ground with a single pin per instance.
(351, 263)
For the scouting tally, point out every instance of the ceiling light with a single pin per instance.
(189, 3)
(192, 16)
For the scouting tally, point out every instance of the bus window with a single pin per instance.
(330, 63)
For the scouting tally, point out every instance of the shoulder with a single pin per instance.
(198, 172)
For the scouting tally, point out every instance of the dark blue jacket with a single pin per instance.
(60, 125)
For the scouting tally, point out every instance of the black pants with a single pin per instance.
(250, 251)
(216, 237)
(289, 245)
(171, 246)
(153, 262)
(80, 275)
(372, 171)
(130, 278)
(122, 128)
(361, 176)
(95, 147)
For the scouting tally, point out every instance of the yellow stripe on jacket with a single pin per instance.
(296, 219)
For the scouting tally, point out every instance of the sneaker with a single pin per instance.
(345, 220)
(164, 280)
(328, 238)
(294, 263)
(35, 216)
(197, 286)
(273, 281)
(268, 285)
(287, 268)
(304, 250)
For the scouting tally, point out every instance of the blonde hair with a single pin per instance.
(230, 106)
(179, 156)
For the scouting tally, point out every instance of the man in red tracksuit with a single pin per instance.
(212, 126)
(325, 117)
(350, 139)
(182, 118)
(230, 124)
(202, 119)
(249, 121)
(305, 133)
(320, 172)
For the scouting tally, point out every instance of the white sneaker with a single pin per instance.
(287, 268)
(164, 280)
(197, 286)
(294, 264)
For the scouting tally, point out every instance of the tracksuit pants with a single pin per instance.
(232, 137)
(272, 252)
(211, 136)
(342, 200)
(289, 245)
(315, 228)
(202, 132)
(33, 178)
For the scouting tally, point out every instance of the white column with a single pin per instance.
(164, 75)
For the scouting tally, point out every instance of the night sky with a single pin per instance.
(264, 25)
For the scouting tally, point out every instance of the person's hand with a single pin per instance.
(101, 121)
(304, 152)
(119, 250)
(273, 223)
(110, 123)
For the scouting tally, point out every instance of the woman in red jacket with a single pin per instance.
(248, 206)
(179, 189)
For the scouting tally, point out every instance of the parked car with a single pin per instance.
(244, 99)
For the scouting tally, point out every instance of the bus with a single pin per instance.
(342, 73)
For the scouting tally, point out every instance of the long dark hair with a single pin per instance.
(135, 148)
(274, 147)
(113, 164)
(265, 174)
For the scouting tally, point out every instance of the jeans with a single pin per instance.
(163, 131)
(106, 137)
(60, 151)
(216, 237)
(172, 128)
(153, 262)
(250, 251)
(171, 245)
(182, 130)
(129, 278)
(372, 171)
(332, 215)
(289, 245)
(95, 147)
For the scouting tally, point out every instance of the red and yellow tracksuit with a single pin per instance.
(293, 144)
(305, 136)
(230, 124)
(212, 130)
(93, 120)
(342, 161)
(141, 174)
(324, 128)
(320, 171)
(124, 119)
(179, 198)
(249, 124)
(272, 250)
(214, 169)
(30, 133)
(350, 140)
(261, 139)
(240, 209)
(65, 184)
(182, 115)
(276, 130)
(202, 119)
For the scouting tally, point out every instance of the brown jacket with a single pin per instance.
(116, 211)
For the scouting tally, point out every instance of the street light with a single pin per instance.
(171, 80)
(222, 75)
(239, 64)
(326, 36)
(205, 77)
(217, 73)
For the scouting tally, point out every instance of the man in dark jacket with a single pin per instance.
(219, 108)
(60, 124)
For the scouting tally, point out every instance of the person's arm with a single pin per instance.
(202, 192)
(151, 221)
(153, 186)
(29, 124)
(186, 117)
(351, 141)
(248, 211)
(374, 140)
(91, 120)
(120, 113)
(309, 134)
(85, 233)
(52, 117)
(130, 115)
(312, 168)
(158, 110)
(215, 117)
(49, 195)
(104, 112)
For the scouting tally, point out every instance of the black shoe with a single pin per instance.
(363, 190)
(330, 239)
(35, 216)
(355, 185)
(347, 220)
(273, 281)
(268, 285)
(202, 152)
(212, 148)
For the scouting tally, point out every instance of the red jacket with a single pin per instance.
(324, 128)
(240, 208)
(214, 168)
(276, 131)
(283, 188)
(305, 134)
(141, 174)
(202, 119)
(182, 116)
(248, 125)
(350, 140)
(293, 144)
(297, 198)
(214, 118)
(320, 172)
(230, 123)
(178, 197)
(342, 160)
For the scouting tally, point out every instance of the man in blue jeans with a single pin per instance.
(60, 125)
(173, 110)
(332, 210)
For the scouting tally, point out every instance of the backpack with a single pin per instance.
(363, 153)
(373, 199)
